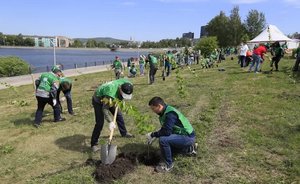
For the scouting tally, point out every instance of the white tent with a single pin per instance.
(270, 34)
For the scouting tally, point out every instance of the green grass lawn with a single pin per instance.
(247, 125)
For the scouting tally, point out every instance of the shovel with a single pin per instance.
(109, 151)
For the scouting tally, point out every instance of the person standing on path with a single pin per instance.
(104, 108)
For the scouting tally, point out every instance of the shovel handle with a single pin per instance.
(112, 131)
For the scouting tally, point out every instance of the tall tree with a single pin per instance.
(235, 27)
(218, 27)
(254, 23)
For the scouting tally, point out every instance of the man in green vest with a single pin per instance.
(152, 60)
(104, 107)
(175, 136)
(46, 93)
(118, 67)
(65, 85)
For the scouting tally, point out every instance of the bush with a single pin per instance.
(13, 66)
(207, 45)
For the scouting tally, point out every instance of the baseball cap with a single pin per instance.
(55, 69)
(126, 90)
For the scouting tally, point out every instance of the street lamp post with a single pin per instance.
(54, 54)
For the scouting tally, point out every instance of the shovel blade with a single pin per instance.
(108, 154)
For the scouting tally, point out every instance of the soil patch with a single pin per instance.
(124, 164)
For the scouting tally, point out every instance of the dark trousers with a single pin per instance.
(242, 61)
(152, 74)
(68, 96)
(275, 60)
(41, 105)
(99, 118)
(296, 66)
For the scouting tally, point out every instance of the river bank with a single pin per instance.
(93, 49)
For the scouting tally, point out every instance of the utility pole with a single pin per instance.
(54, 54)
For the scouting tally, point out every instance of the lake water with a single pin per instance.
(42, 59)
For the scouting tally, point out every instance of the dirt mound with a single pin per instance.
(124, 164)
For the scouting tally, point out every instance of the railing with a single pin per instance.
(71, 66)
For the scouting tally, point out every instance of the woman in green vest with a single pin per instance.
(175, 136)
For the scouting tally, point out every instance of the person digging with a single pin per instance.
(65, 86)
(176, 134)
(104, 108)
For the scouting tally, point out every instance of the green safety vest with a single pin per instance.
(65, 79)
(110, 88)
(117, 64)
(47, 80)
(153, 60)
(187, 128)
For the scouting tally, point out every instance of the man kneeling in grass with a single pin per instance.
(175, 136)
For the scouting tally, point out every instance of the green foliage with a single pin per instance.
(20, 103)
(6, 149)
(235, 27)
(254, 23)
(77, 43)
(218, 27)
(207, 45)
(13, 66)
(142, 121)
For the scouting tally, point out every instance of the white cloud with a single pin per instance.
(295, 3)
(129, 3)
(246, 1)
(181, 1)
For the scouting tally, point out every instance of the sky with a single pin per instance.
(138, 20)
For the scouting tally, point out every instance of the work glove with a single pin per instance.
(54, 102)
(112, 126)
(150, 139)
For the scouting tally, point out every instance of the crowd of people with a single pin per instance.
(176, 134)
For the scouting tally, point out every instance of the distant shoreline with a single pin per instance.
(99, 49)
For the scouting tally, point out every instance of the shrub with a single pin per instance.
(207, 45)
(13, 66)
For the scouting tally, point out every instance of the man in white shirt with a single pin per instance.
(243, 51)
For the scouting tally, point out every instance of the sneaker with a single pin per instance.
(95, 148)
(72, 113)
(192, 150)
(36, 125)
(60, 119)
(128, 135)
(163, 168)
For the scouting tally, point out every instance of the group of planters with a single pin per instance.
(176, 134)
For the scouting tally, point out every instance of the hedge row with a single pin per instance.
(13, 66)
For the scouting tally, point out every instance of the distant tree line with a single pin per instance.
(15, 40)
(229, 31)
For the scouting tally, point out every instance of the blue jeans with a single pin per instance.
(141, 69)
(256, 61)
(68, 96)
(174, 143)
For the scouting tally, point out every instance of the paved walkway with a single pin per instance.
(5, 82)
